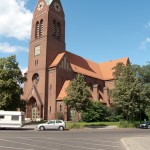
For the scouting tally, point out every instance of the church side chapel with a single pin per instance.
(51, 67)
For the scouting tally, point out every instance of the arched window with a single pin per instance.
(58, 30)
(37, 29)
(35, 78)
(41, 27)
(54, 28)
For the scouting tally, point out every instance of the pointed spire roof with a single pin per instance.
(48, 2)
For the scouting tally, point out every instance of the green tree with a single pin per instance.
(96, 112)
(118, 70)
(78, 94)
(11, 79)
(145, 73)
(130, 95)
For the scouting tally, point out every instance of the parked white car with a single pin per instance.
(52, 124)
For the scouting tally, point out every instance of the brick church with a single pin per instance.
(51, 67)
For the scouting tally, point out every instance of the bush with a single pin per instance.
(96, 112)
(113, 118)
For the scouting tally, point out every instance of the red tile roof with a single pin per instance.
(87, 67)
(84, 66)
(57, 59)
(107, 67)
(63, 93)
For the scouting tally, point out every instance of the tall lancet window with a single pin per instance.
(37, 28)
(41, 27)
(54, 28)
(58, 30)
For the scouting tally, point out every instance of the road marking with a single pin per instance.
(61, 144)
(86, 143)
(15, 148)
(27, 144)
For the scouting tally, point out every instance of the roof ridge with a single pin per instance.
(113, 60)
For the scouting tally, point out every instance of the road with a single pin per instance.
(82, 139)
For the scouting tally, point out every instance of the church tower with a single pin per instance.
(48, 32)
(47, 41)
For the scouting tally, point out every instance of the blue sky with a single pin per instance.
(99, 30)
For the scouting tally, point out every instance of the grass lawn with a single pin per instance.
(80, 125)
(71, 125)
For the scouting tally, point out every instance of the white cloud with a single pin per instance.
(7, 48)
(145, 43)
(23, 70)
(147, 25)
(15, 19)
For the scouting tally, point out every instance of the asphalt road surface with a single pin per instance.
(86, 139)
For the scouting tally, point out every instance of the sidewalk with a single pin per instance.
(136, 143)
(30, 127)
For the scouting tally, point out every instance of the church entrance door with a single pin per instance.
(34, 113)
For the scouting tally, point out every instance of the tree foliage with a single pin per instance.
(130, 95)
(118, 70)
(96, 112)
(143, 73)
(10, 80)
(78, 94)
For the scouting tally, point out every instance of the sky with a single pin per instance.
(99, 30)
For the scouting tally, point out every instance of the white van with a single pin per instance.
(11, 119)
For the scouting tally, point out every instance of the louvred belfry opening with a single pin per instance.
(37, 28)
(54, 28)
(58, 31)
(41, 27)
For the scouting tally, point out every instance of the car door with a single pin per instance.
(58, 124)
(51, 124)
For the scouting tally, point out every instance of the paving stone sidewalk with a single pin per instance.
(136, 143)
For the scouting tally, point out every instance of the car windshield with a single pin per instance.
(146, 122)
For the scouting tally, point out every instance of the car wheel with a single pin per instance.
(148, 127)
(61, 128)
(42, 128)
